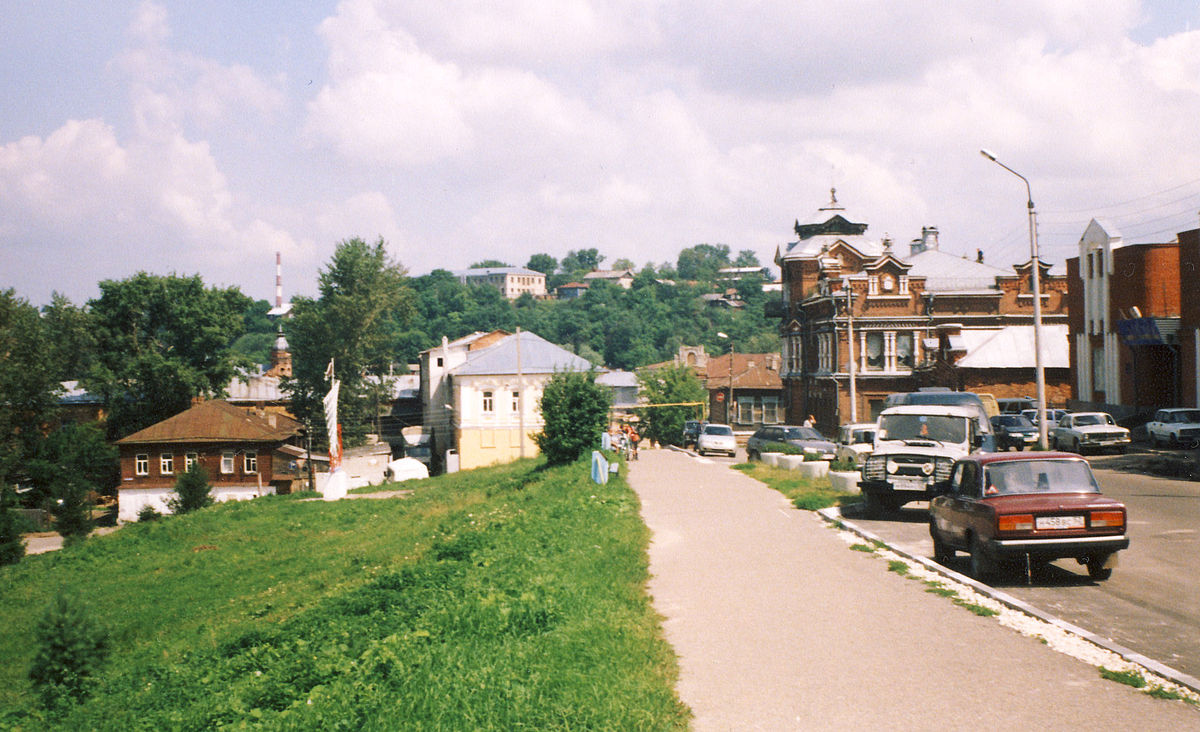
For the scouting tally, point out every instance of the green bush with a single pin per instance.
(71, 509)
(575, 410)
(70, 650)
(147, 513)
(192, 491)
(843, 466)
(11, 527)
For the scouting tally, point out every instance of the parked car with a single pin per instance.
(855, 441)
(1010, 508)
(1014, 431)
(716, 438)
(1080, 431)
(806, 438)
(1175, 427)
(1016, 405)
(691, 430)
(1052, 417)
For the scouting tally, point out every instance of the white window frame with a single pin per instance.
(141, 463)
(166, 463)
(190, 459)
(903, 284)
(516, 400)
(489, 402)
(250, 461)
(227, 462)
(873, 285)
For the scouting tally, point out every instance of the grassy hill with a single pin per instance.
(505, 598)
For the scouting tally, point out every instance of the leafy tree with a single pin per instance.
(356, 322)
(77, 451)
(624, 264)
(581, 262)
(12, 548)
(192, 491)
(29, 384)
(162, 342)
(71, 648)
(701, 262)
(255, 343)
(575, 410)
(746, 258)
(670, 384)
(543, 263)
(70, 337)
(489, 263)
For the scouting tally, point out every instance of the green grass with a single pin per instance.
(900, 568)
(505, 598)
(809, 494)
(1129, 678)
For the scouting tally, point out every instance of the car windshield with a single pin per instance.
(718, 429)
(1039, 476)
(860, 436)
(1192, 415)
(922, 427)
(1013, 420)
(801, 433)
(1084, 420)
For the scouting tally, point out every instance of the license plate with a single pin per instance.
(1059, 522)
(908, 484)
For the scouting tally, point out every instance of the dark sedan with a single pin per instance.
(806, 438)
(1027, 510)
(1014, 430)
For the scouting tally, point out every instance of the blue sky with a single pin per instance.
(204, 137)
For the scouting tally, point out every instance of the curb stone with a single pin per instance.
(834, 516)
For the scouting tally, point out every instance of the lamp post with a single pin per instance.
(729, 404)
(850, 344)
(1036, 286)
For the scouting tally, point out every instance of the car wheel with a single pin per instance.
(982, 567)
(1075, 446)
(1096, 569)
(942, 553)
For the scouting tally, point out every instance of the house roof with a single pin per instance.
(750, 371)
(216, 420)
(945, 272)
(608, 274)
(486, 271)
(1012, 347)
(538, 356)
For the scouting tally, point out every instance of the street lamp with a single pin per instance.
(729, 404)
(850, 344)
(1036, 286)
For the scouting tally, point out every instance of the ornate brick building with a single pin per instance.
(857, 314)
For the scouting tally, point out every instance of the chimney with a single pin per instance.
(929, 237)
(979, 256)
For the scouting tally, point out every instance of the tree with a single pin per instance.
(746, 258)
(12, 547)
(192, 491)
(71, 647)
(162, 342)
(489, 263)
(624, 263)
(79, 451)
(543, 263)
(575, 410)
(29, 384)
(701, 262)
(581, 262)
(255, 343)
(71, 508)
(356, 322)
(70, 337)
(671, 384)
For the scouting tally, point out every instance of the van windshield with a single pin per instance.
(922, 427)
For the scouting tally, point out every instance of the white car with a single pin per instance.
(855, 442)
(1175, 427)
(1080, 431)
(1052, 416)
(716, 438)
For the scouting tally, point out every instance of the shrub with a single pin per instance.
(192, 491)
(147, 513)
(70, 649)
(844, 466)
(71, 509)
(575, 410)
(11, 546)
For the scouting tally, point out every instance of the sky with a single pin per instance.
(202, 138)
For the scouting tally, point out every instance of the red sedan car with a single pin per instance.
(1026, 507)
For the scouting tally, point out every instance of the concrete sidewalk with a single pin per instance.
(778, 626)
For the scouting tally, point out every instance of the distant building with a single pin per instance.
(622, 277)
(916, 317)
(511, 281)
(1134, 323)
(571, 290)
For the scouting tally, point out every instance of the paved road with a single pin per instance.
(1152, 602)
(778, 625)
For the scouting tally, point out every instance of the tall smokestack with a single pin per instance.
(278, 280)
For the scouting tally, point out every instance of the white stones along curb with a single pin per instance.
(1060, 635)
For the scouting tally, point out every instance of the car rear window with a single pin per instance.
(1039, 476)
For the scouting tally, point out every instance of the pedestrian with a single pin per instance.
(810, 422)
(634, 439)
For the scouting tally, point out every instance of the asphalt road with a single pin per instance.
(778, 625)
(1152, 602)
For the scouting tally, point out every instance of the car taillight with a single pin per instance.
(1111, 519)
(1017, 522)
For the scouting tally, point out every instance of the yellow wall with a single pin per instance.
(479, 447)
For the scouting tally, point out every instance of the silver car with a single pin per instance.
(806, 438)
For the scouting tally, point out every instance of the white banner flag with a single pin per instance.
(331, 425)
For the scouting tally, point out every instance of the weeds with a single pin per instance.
(1129, 678)
(900, 568)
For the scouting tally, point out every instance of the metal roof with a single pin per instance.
(538, 356)
(216, 420)
(945, 272)
(1012, 347)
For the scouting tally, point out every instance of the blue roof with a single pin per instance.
(538, 356)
